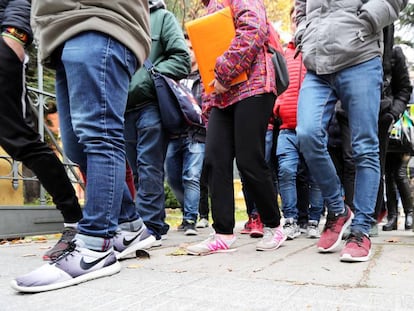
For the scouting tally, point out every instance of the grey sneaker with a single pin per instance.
(76, 265)
(291, 229)
(68, 234)
(272, 239)
(190, 228)
(313, 231)
(202, 223)
(127, 242)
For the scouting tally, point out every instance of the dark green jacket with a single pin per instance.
(169, 54)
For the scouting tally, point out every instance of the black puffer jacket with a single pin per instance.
(16, 13)
(397, 86)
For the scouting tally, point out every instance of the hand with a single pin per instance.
(298, 38)
(16, 47)
(218, 87)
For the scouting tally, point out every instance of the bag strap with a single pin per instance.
(149, 66)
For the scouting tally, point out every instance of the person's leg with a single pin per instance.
(173, 166)
(24, 144)
(219, 156)
(391, 169)
(146, 148)
(288, 159)
(97, 78)
(250, 159)
(203, 207)
(193, 156)
(403, 186)
(302, 192)
(317, 98)
(360, 91)
(97, 125)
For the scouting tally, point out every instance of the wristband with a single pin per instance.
(15, 33)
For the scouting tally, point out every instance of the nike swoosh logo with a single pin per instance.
(127, 243)
(88, 265)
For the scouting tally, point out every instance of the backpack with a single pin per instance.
(178, 107)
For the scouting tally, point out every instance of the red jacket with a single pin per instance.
(287, 103)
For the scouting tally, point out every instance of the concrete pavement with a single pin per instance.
(294, 277)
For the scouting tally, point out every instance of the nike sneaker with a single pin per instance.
(77, 264)
(127, 242)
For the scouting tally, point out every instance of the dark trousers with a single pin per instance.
(203, 207)
(396, 179)
(23, 143)
(239, 132)
(383, 136)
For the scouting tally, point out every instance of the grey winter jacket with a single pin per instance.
(125, 20)
(341, 33)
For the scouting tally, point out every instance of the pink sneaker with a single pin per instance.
(357, 248)
(256, 227)
(335, 227)
(214, 244)
(247, 226)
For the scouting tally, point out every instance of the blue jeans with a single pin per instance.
(183, 166)
(289, 158)
(145, 148)
(359, 90)
(92, 87)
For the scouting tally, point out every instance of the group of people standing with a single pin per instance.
(108, 113)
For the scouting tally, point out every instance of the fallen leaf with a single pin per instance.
(393, 240)
(178, 252)
(134, 266)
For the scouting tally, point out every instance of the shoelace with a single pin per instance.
(67, 235)
(355, 239)
(68, 251)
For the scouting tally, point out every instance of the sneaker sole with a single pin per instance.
(349, 258)
(144, 244)
(339, 240)
(256, 234)
(258, 248)
(107, 271)
(230, 250)
(190, 232)
(291, 237)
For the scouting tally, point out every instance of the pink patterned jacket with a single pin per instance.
(247, 52)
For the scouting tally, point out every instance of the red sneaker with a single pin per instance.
(256, 228)
(247, 226)
(335, 227)
(357, 248)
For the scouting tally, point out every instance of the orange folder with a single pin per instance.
(210, 37)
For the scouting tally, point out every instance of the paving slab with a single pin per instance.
(294, 277)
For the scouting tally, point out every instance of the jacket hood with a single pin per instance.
(156, 4)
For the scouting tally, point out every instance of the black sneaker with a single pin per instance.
(67, 235)
(189, 227)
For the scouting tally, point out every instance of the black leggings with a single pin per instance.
(239, 132)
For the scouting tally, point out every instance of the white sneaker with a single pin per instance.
(202, 223)
(76, 265)
(313, 231)
(127, 242)
(272, 239)
(291, 229)
(213, 244)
